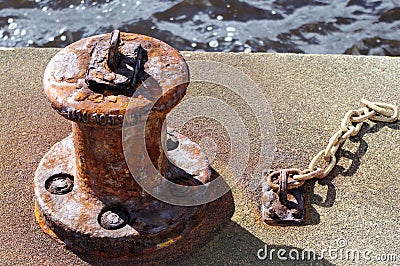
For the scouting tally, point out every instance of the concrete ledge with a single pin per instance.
(308, 95)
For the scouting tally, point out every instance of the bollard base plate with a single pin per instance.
(150, 229)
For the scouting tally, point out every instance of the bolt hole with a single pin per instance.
(60, 184)
(172, 144)
(113, 218)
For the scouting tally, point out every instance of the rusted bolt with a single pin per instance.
(113, 218)
(60, 184)
(92, 82)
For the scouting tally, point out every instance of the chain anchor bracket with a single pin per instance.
(282, 207)
(281, 200)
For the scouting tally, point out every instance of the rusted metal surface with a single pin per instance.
(111, 70)
(85, 194)
(66, 88)
(282, 207)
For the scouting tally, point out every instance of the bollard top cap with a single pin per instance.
(96, 79)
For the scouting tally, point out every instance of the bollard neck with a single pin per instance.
(100, 95)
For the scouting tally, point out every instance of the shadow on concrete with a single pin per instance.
(232, 245)
(312, 216)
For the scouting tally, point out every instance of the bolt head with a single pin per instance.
(60, 184)
(114, 218)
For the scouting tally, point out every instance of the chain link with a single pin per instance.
(349, 127)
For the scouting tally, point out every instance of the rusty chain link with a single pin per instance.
(349, 127)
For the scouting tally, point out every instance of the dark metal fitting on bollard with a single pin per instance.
(284, 207)
(85, 195)
(282, 192)
(111, 70)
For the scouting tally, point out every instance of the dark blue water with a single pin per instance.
(315, 26)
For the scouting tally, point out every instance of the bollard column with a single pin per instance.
(85, 194)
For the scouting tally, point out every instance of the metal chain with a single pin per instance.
(349, 127)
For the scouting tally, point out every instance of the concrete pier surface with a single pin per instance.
(352, 216)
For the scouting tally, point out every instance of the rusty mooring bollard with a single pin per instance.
(85, 194)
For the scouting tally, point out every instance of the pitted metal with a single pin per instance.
(114, 56)
(164, 70)
(103, 210)
(282, 207)
(114, 71)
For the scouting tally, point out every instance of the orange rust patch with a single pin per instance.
(42, 224)
(169, 242)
